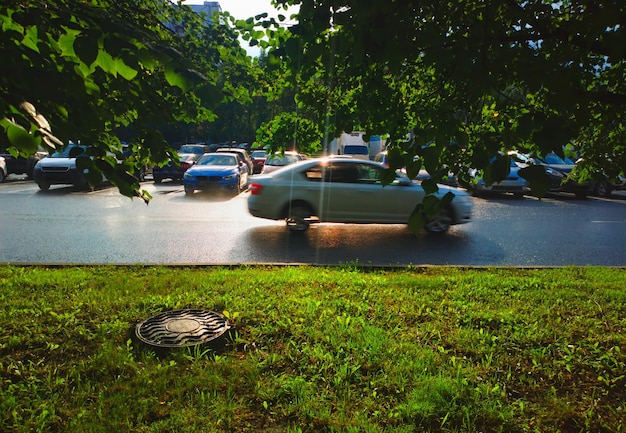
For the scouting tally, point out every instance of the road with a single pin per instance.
(63, 226)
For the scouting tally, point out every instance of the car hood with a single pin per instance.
(57, 162)
(211, 170)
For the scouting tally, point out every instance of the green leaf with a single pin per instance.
(21, 139)
(537, 178)
(86, 48)
(497, 170)
(66, 43)
(31, 39)
(106, 62)
(124, 70)
(184, 79)
(417, 219)
(430, 186)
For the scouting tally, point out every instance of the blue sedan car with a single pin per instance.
(217, 171)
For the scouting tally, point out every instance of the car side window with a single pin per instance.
(368, 174)
(315, 173)
(341, 173)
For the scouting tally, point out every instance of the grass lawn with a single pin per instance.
(337, 349)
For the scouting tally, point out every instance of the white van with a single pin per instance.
(356, 151)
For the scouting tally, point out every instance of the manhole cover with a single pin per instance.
(182, 328)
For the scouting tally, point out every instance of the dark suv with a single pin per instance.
(21, 165)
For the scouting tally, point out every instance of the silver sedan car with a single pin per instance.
(342, 190)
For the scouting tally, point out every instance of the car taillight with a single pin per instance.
(255, 189)
(185, 165)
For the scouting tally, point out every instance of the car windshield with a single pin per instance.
(189, 148)
(356, 150)
(281, 160)
(218, 160)
(553, 158)
(259, 154)
(72, 151)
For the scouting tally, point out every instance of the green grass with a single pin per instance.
(345, 349)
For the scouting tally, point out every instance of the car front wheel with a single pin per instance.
(44, 186)
(440, 223)
(603, 189)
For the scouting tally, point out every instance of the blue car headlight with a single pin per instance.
(230, 177)
(188, 176)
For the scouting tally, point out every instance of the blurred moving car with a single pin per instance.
(513, 183)
(60, 169)
(188, 154)
(3, 169)
(243, 154)
(217, 171)
(280, 160)
(346, 190)
(21, 165)
(258, 160)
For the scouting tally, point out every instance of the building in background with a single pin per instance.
(208, 8)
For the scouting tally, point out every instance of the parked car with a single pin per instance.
(280, 160)
(558, 170)
(450, 179)
(3, 169)
(382, 158)
(346, 190)
(258, 160)
(60, 169)
(357, 151)
(605, 186)
(188, 154)
(21, 165)
(217, 171)
(243, 154)
(513, 183)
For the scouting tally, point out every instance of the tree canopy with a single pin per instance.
(468, 78)
(79, 70)
(465, 79)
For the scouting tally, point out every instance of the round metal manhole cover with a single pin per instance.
(182, 328)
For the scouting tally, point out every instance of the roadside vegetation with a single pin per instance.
(342, 349)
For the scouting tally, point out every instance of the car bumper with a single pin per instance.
(70, 177)
(167, 173)
(210, 183)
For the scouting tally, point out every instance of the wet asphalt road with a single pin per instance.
(63, 226)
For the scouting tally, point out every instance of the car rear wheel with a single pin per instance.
(157, 179)
(297, 218)
(440, 223)
(2, 176)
